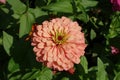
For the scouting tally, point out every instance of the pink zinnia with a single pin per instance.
(59, 43)
(3, 1)
(116, 5)
(114, 50)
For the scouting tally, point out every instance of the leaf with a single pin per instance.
(89, 3)
(12, 66)
(112, 33)
(46, 74)
(84, 63)
(14, 69)
(61, 6)
(26, 22)
(17, 6)
(38, 12)
(117, 77)
(7, 42)
(16, 77)
(83, 17)
(31, 75)
(114, 27)
(101, 74)
(35, 75)
(65, 78)
(5, 10)
(92, 34)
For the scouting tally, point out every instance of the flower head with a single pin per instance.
(58, 43)
(114, 50)
(116, 5)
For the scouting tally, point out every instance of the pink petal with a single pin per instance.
(3, 1)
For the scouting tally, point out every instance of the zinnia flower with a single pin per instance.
(59, 43)
(3, 1)
(116, 5)
(114, 50)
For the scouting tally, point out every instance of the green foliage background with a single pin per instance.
(99, 23)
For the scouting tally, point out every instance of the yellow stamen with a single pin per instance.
(60, 37)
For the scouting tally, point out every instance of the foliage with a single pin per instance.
(99, 23)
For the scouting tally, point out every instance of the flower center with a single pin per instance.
(59, 37)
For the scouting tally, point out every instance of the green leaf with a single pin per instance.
(84, 63)
(117, 77)
(12, 66)
(65, 78)
(46, 74)
(17, 6)
(14, 69)
(83, 17)
(16, 77)
(7, 42)
(31, 75)
(38, 12)
(114, 27)
(89, 3)
(5, 9)
(26, 22)
(101, 74)
(61, 6)
(112, 33)
(92, 34)
(35, 75)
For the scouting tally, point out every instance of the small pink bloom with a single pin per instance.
(114, 50)
(3, 1)
(59, 43)
(115, 5)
